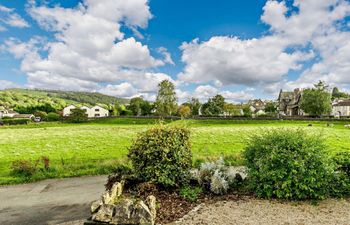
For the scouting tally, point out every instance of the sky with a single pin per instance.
(241, 49)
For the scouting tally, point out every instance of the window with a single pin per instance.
(97, 115)
(97, 110)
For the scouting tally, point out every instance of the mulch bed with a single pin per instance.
(170, 205)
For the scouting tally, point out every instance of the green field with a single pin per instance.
(97, 147)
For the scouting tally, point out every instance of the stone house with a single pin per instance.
(341, 108)
(257, 106)
(289, 103)
(93, 112)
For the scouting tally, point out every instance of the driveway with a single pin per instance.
(50, 201)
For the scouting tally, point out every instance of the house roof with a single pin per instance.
(24, 116)
(343, 103)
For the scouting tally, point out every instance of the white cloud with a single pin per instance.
(121, 90)
(89, 47)
(309, 33)
(166, 54)
(230, 60)
(5, 84)
(10, 18)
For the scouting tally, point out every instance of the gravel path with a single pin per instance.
(259, 212)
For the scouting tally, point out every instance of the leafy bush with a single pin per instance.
(77, 116)
(24, 168)
(15, 121)
(52, 116)
(288, 164)
(340, 185)
(41, 114)
(162, 155)
(191, 193)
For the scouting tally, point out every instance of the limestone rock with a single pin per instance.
(142, 214)
(95, 205)
(123, 212)
(151, 203)
(104, 214)
(106, 198)
(116, 191)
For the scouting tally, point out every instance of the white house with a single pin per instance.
(341, 108)
(94, 112)
(7, 113)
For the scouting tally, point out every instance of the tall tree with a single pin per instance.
(336, 94)
(184, 111)
(135, 106)
(316, 101)
(166, 102)
(214, 106)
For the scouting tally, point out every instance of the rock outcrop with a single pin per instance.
(114, 208)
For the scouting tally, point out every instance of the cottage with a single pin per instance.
(7, 113)
(94, 112)
(289, 103)
(257, 107)
(341, 108)
(24, 116)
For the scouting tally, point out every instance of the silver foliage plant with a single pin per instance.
(215, 176)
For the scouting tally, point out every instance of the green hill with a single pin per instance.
(23, 100)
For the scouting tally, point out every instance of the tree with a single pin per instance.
(247, 112)
(336, 94)
(135, 106)
(316, 101)
(230, 109)
(77, 116)
(214, 106)
(195, 105)
(271, 107)
(184, 111)
(146, 108)
(166, 102)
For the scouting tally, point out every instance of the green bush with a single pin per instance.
(77, 116)
(340, 185)
(15, 121)
(41, 114)
(52, 117)
(288, 164)
(162, 155)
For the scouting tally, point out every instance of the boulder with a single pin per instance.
(142, 214)
(123, 212)
(104, 214)
(95, 205)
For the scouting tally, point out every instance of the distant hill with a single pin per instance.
(27, 98)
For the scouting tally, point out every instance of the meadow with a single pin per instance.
(98, 147)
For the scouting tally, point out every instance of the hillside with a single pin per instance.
(27, 98)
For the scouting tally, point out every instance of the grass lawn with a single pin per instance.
(97, 147)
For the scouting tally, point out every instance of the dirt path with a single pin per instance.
(50, 201)
(264, 212)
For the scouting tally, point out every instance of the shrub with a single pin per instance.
(41, 114)
(340, 185)
(217, 178)
(191, 193)
(16, 121)
(77, 116)
(52, 116)
(24, 168)
(288, 164)
(162, 155)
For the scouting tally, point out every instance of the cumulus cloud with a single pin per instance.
(9, 17)
(313, 33)
(89, 47)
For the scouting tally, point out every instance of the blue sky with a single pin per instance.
(240, 49)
